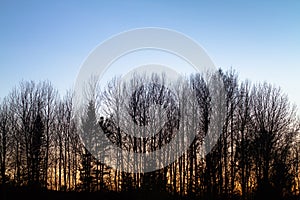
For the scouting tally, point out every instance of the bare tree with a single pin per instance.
(272, 118)
(5, 137)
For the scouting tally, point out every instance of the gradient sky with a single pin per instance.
(49, 40)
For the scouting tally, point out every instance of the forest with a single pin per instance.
(48, 147)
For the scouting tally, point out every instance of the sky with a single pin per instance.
(49, 40)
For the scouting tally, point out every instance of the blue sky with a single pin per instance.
(49, 40)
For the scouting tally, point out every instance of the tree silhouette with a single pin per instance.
(89, 131)
(45, 145)
(36, 149)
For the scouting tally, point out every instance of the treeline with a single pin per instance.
(45, 143)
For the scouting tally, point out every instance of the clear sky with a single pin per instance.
(49, 40)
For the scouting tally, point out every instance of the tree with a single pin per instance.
(36, 150)
(5, 129)
(272, 118)
(243, 141)
(89, 132)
